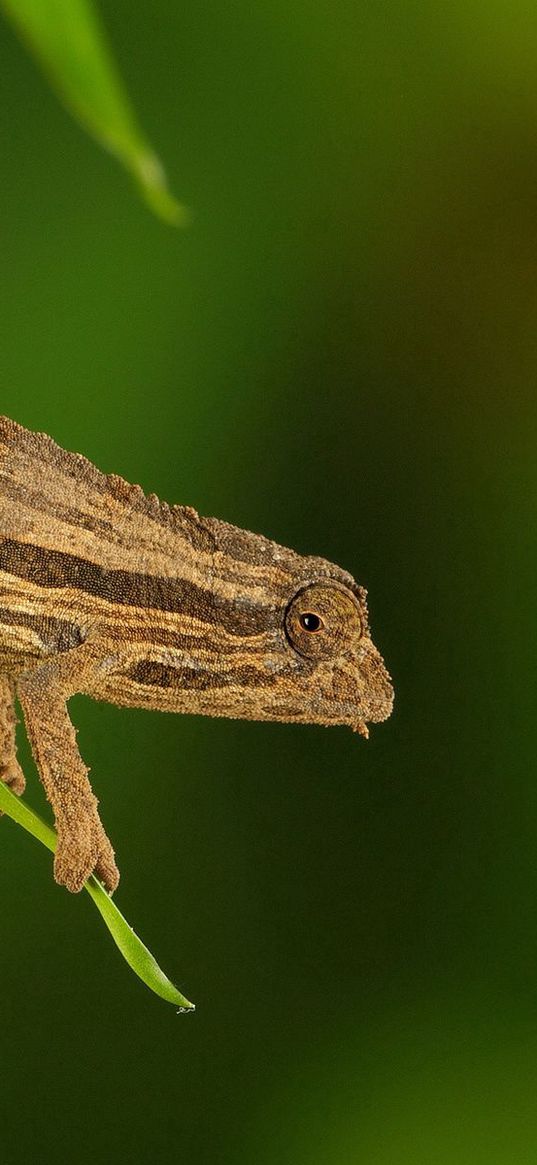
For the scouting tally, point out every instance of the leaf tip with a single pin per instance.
(186, 1010)
(151, 179)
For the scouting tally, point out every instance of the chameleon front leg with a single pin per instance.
(83, 847)
(10, 770)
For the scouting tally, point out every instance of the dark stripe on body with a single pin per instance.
(57, 634)
(54, 568)
(161, 675)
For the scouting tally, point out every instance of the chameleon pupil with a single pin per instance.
(310, 622)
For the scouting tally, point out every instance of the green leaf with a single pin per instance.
(68, 40)
(132, 948)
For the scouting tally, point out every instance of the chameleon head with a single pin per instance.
(265, 634)
(333, 657)
(305, 652)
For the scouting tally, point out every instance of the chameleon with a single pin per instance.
(112, 593)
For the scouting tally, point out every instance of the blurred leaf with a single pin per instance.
(132, 948)
(67, 38)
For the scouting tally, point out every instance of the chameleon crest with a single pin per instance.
(122, 597)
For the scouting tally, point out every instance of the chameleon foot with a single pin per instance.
(83, 849)
(106, 870)
(11, 773)
(13, 776)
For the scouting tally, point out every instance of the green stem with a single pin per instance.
(132, 948)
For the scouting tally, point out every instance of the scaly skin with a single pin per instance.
(127, 599)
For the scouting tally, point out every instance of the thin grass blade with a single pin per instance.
(135, 953)
(68, 40)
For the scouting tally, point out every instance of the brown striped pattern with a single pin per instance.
(54, 568)
(109, 592)
(55, 634)
(180, 603)
(196, 679)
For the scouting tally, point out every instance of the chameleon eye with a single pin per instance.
(323, 621)
(310, 622)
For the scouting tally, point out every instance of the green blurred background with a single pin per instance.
(340, 352)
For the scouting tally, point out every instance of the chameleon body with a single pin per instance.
(114, 594)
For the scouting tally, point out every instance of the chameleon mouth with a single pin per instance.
(378, 699)
(364, 690)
